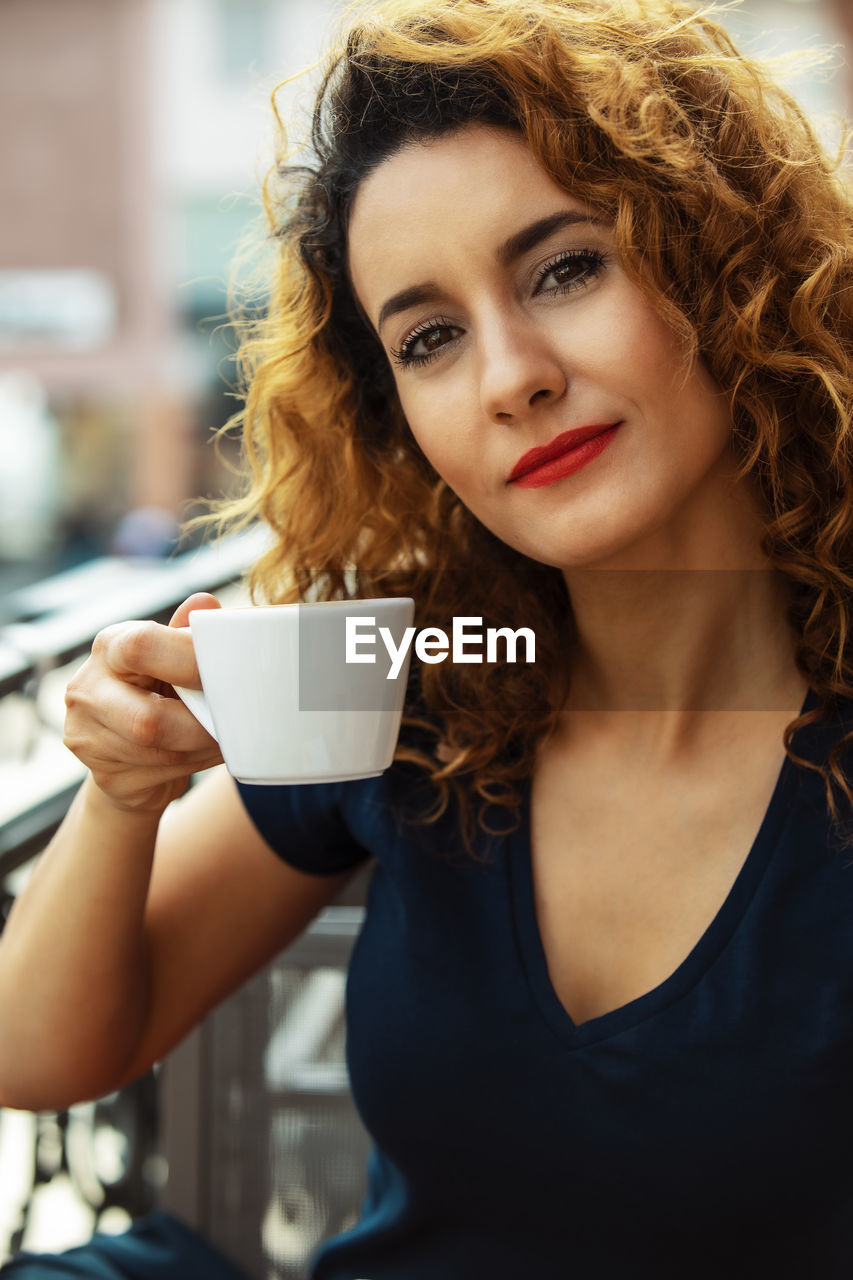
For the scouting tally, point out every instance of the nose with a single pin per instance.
(520, 369)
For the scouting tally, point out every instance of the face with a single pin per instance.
(535, 377)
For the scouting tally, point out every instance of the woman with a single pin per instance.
(560, 336)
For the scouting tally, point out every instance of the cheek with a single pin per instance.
(685, 401)
(459, 463)
(429, 442)
(438, 430)
(703, 410)
(638, 343)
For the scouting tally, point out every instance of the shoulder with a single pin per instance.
(331, 826)
(815, 741)
(304, 824)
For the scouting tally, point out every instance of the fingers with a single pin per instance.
(111, 753)
(124, 720)
(200, 600)
(164, 654)
(109, 717)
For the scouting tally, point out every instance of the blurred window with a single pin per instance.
(67, 307)
(246, 38)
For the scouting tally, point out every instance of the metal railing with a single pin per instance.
(52, 623)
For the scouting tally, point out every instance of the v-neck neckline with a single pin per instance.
(695, 964)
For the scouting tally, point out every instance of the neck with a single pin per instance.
(676, 644)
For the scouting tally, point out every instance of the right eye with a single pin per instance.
(425, 342)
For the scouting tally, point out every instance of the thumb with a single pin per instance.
(199, 600)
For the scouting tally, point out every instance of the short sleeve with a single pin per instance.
(304, 825)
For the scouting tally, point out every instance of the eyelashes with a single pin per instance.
(571, 270)
(429, 334)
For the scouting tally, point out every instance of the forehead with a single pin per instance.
(461, 192)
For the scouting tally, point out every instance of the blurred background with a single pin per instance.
(136, 132)
(135, 135)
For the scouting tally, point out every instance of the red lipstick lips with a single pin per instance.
(566, 453)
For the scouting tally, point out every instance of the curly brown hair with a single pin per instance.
(730, 219)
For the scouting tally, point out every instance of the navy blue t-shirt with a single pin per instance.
(702, 1130)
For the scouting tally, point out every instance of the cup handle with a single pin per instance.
(196, 702)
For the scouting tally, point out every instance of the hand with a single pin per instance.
(124, 719)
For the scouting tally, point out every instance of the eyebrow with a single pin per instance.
(510, 251)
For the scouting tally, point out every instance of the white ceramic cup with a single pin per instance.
(282, 701)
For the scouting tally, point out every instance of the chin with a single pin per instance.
(592, 553)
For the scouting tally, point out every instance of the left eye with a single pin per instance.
(571, 270)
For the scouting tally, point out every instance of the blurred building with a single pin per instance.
(135, 135)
